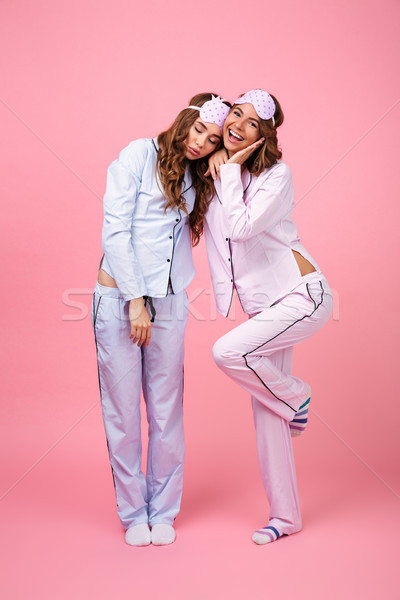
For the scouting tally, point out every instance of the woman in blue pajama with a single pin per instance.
(154, 205)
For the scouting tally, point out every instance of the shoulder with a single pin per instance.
(279, 176)
(279, 170)
(137, 153)
(138, 148)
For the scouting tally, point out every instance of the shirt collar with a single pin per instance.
(155, 143)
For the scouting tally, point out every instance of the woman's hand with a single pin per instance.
(243, 155)
(215, 161)
(140, 322)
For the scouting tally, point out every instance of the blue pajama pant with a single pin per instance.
(124, 371)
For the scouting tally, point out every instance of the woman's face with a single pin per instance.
(202, 139)
(241, 128)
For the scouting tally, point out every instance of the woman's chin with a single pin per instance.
(232, 148)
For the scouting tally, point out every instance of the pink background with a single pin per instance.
(79, 81)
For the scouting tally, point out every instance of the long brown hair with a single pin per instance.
(171, 166)
(269, 153)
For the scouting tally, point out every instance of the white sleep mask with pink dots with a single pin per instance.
(262, 102)
(213, 111)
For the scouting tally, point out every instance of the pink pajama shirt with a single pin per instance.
(250, 237)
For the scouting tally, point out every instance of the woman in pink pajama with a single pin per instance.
(253, 246)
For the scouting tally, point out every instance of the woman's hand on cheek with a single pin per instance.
(243, 155)
(215, 161)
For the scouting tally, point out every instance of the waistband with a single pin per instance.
(110, 292)
(314, 276)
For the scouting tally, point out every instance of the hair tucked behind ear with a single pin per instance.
(269, 153)
(171, 166)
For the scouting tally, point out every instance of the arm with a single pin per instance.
(215, 160)
(123, 184)
(272, 201)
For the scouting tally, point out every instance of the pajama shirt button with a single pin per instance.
(168, 260)
(170, 237)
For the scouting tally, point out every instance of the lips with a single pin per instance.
(193, 151)
(234, 137)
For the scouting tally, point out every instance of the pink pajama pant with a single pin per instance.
(258, 355)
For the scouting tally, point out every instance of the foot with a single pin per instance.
(299, 423)
(138, 535)
(162, 535)
(266, 535)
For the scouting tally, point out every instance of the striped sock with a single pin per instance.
(266, 535)
(299, 423)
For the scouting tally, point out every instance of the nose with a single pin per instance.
(200, 141)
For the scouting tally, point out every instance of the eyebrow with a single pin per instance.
(250, 118)
(201, 124)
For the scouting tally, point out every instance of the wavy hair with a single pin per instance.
(171, 166)
(269, 153)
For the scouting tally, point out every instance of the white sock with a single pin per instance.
(162, 534)
(138, 535)
(266, 535)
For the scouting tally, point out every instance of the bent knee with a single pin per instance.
(218, 352)
(223, 354)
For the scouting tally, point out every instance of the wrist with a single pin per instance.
(136, 302)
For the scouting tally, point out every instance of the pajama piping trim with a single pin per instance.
(231, 261)
(173, 238)
(233, 281)
(248, 185)
(230, 252)
(232, 278)
(173, 250)
(95, 311)
(316, 306)
(244, 191)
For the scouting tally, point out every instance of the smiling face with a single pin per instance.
(241, 128)
(202, 139)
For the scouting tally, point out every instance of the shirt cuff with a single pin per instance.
(130, 296)
(230, 167)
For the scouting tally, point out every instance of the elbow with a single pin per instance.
(239, 229)
(115, 232)
(238, 234)
(111, 241)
